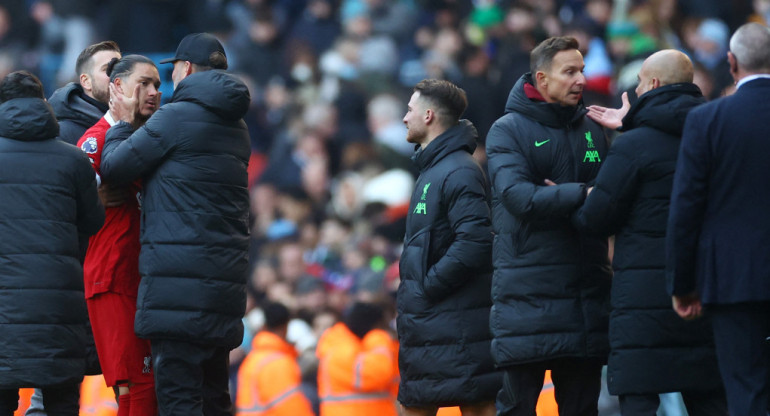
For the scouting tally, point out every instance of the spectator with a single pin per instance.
(357, 366)
(317, 26)
(69, 22)
(49, 199)
(269, 378)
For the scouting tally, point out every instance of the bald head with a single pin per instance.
(750, 47)
(665, 67)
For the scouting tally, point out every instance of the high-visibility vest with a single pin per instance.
(546, 403)
(449, 411)
(96, 398)
(25, 396)
(356, 376)
(269, 380)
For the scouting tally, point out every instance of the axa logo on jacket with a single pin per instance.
(421, 207)
(592, 156)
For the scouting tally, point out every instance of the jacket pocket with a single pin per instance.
(413, 268)
(520, 238)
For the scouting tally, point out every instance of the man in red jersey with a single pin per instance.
(111, 270)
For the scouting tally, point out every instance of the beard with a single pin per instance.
(140, 118)
(413, 136)
(103, 96)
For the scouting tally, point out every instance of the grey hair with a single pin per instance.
(751, 47)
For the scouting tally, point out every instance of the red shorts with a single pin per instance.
(123, 356)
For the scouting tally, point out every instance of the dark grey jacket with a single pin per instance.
(446, 265)
(47, 197)
(192, 154)
(75, 111)
(551, 283)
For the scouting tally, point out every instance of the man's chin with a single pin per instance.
(142, 118)
(102, 98)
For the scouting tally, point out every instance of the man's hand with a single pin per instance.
(688, 307)
(123, 107)
(549, 182)
(113, 196)
(610, 117)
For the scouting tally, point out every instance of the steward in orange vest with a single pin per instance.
(269, 378)
(357, 370)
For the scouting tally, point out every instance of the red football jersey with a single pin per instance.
(112, 259)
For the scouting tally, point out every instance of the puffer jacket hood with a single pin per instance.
(664, 108)
(217, 91)
(27, 119)
(461, 136)
(549, 114)
(68, 103)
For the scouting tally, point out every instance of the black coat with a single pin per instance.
(551, 283)
(48, 196)
(718, 235)
(192, 153)
(652, 349)
(443, 298)
(75, 111)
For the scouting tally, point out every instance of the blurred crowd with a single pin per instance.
(330, 171)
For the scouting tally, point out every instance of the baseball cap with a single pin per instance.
(196, 48)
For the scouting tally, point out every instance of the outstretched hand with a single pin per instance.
(123, 107)
(611, 118)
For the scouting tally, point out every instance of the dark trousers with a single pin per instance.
(576, 382)
(698, 403)
(61, 400)
(740, 337)
(191, 379)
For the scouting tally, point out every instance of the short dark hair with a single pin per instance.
(449, 99)
(20, 84)
(217, 59)
(541, 57)
(89, 52)
(276, 315)
(123, 67)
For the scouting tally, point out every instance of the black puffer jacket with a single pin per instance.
(75, 111)
(192, 154)
(551, 283)
(443, 299)
(652, 349)
(48, 196)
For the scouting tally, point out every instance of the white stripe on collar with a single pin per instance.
(110, 120)
(751, 78)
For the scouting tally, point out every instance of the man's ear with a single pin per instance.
(188, 68)
(541, 79)
(733, 64)
(655, 83)
(119, 85)
(85, 82)
(430, 116)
